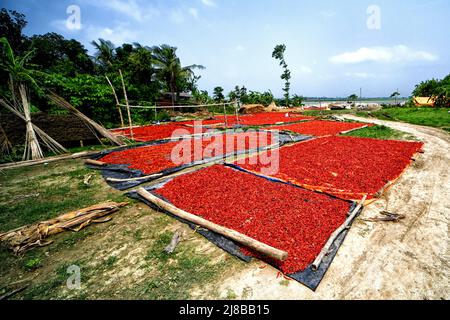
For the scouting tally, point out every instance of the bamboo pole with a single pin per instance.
(117, 102)
(336, 233)
(127, 104)
(91, 123)
(27, 163)
(354, 129)
(95, 162)
(229, 233)
(32, 148)
(225, 115)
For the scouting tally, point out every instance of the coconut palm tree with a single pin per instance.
(105, 52)
(395, 95)
(17, 67)
(169, 69)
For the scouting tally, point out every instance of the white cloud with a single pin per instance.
(193, 12)
(209, 3)
(240, 48)
(399, 53)
(117, 35)
(130, 8)
(360, 75)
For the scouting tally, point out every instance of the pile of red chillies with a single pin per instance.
(320, 127)
(155, 158)
(347, 167)
(292, 219)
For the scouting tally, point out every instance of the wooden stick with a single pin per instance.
(117, 101)
(229, 233)
(173, 243)
(95, 162)
(127, 104)
(354, 129)
(336, 233)
(27, 163)
(156, 175)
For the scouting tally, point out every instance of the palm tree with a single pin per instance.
(105, 52)
(395, 95)
(16, 67)
(169, 69)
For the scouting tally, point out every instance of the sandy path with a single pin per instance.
(384, 260)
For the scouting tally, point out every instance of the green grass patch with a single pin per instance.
(432, 117)
(27, 198)
(380, 132)
(178, 272)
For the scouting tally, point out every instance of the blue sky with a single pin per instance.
(333, 47)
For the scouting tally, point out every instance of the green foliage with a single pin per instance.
(433, 117)
(379, 132)
(352, 98)
(297, 101)
(218, 94)
(169, 70)
(438, 89)
(251, 97)
(278, 54)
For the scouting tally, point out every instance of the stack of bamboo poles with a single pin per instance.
(33, 148)
(94, 126)
(5, 144)
(24, 238)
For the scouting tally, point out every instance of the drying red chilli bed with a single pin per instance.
(157, 132)
(321, 128)
(155, 158)
(292, 219)
(256, 119)
(347, 167)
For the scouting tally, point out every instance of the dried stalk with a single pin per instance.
(32, 146)
(127, 104)
(5, 144)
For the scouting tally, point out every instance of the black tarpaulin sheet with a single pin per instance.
(123, 172)
(309, 277)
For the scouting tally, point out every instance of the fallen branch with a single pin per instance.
(27, 163)
(336, 233)
(95, 162)
(156, 175)
(229, 233)
(354, 129)
(86, 179)
(13, 292)
(29, 236)
(387, 216)
(174, 242)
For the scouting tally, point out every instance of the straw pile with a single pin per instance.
(24, 238)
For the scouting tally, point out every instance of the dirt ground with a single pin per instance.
(409, 259)
(123, 259)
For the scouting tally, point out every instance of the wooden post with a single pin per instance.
(335, 234)
(229, 233)
(117, 101)
(95, 162)
(128, 106)
(225, 114)
(236, 111)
